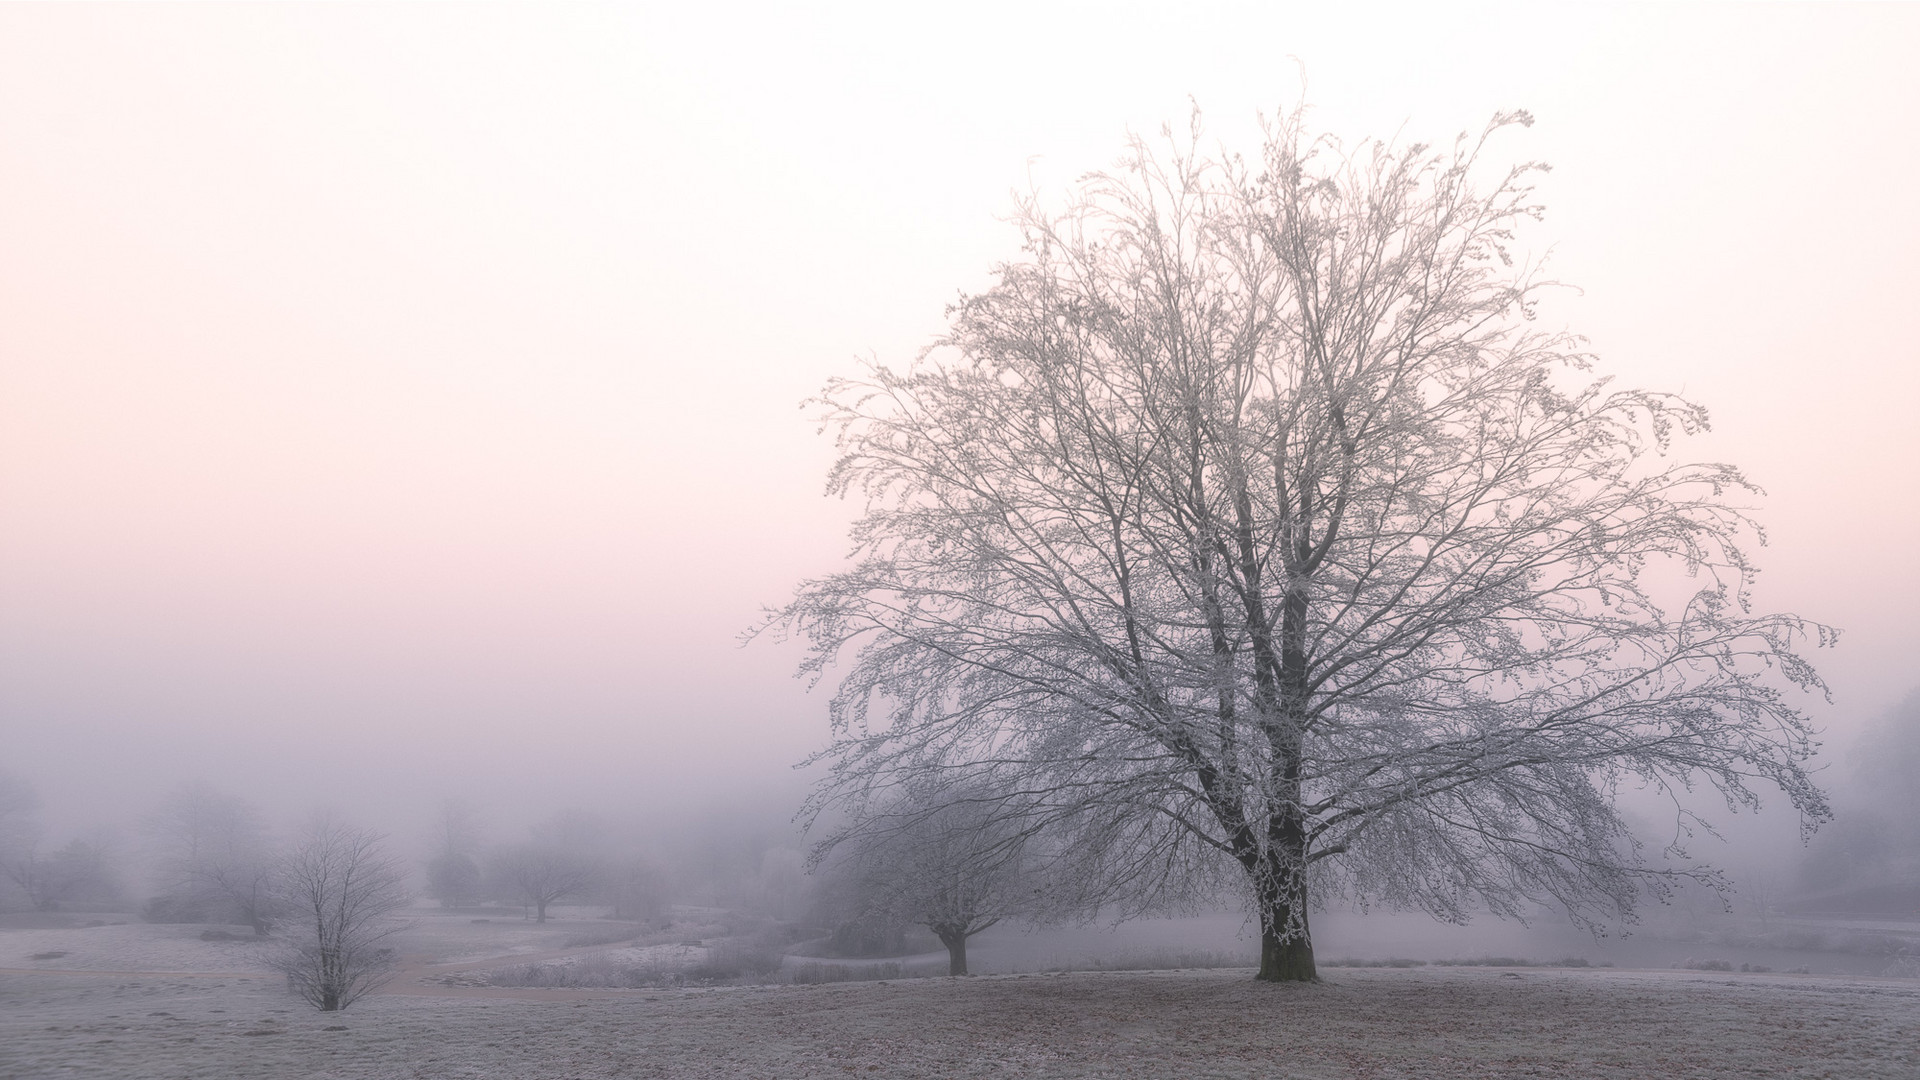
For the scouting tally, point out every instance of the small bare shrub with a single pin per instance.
(340, 886)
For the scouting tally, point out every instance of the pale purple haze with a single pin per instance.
(400, 401)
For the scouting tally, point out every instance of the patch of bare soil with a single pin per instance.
(1374, 1023)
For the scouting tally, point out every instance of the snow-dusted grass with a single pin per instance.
(132, 946)
(641, 965)
(1372, 1023)
(1426, 1021)
(458, 938)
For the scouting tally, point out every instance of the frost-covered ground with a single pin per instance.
(132, 946)
(79, 1015)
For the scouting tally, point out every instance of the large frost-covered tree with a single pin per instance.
(1250, 513)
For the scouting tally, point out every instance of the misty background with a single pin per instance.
(403, 405)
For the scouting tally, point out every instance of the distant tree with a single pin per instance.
(79, 872)
(714, 858)
(781, 885)
(636, 888)
(18, 801)
(453, 873)
(36, 878)
(1886, 762)
(456, 828)
(541, 874)
(573, 830)
(454, 879)
(26, 869)
(1250, 519)
(1874, 843)
(340, 886)
(19, 836)
(247, 882)
(956, 866)
(214, 859)
(838, 904)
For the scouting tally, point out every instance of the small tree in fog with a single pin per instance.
(453, 875)
(780, 888)
(340, 884)
(541, 874)
(79, 872)
(18, 801)
(1248, 519)
(214, 860)
(1875, 843)
(453, 879)
(18, 834)
(636, 888)
(955, 866)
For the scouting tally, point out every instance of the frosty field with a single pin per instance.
(157, 1001)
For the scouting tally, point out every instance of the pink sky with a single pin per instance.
(427, 378)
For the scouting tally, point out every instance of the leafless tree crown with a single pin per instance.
(340, 886)
(1251, 512)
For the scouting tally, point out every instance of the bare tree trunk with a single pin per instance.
(1280, 880)
(541, 907)
(1286, 949)
(956, 943)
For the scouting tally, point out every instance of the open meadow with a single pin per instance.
(136, 1000)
